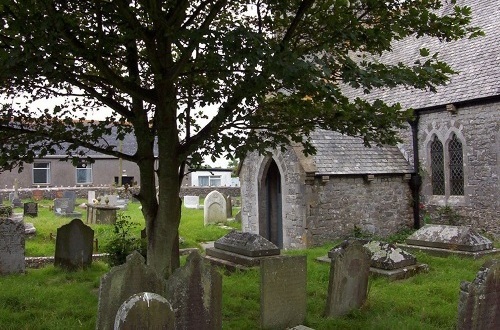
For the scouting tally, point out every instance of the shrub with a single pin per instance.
(122, 242)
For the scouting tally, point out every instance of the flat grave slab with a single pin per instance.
(248, 244)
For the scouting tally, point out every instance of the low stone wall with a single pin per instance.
(81, 192)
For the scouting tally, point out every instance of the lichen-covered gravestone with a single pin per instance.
(123, 281)
(214, 208)
(74, 245)
(145, 310)
(283, 291)
(11, 246)
(479, 301)
(195, 292)
(348, 284)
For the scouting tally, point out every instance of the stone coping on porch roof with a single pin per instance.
(339, 154)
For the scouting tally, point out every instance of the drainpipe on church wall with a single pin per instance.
(416, 179)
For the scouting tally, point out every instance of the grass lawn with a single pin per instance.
(50, 298)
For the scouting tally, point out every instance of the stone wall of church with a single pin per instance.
(477, 127)
(344, 205)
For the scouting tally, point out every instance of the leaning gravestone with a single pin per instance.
(11, 246)
(123, 281)
(31, 209)
(195, 291)
(283, 291)
(229, 206)
(479, 302)
(74, 245)
(348, 284)
(214, 208)
(145, 310)
(191, 202)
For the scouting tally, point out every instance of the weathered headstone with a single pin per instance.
(11, 246)
(123, 281)
(214, 208)
(229, 206)
(74, 245)
(16, 201)
(192, 202)
(31, 209)
(195, 291)
(283, 291)
(90, 196)
(62, 206)
(348, 284)
(479, 301)
(146, 310)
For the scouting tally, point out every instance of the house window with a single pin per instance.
(437, 167)
(41, 173)
(83, 173)
(209, 181)
(456, 167)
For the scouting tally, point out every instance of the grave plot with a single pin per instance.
(239, 250)
(444, 240)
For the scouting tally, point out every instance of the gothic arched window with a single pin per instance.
(437, 167)
(456, 166)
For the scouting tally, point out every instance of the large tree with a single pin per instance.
(202, 78)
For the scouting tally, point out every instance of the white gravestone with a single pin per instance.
(192, 202)
(214, 208)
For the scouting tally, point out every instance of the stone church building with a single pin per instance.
(449, 159)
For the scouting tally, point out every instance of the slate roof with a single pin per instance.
(338, 154)
(477, 61)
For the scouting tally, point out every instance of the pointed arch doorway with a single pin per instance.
(270, 201)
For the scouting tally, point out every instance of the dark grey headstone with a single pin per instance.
(145, 310)
(283, 291)
(74, 245)
(479, 301)
(348, 284)
(11, 246)
(31, 209)
(195, 292)
(229, 206)
(248, 244)
(123, 281)
(69, 194)
(461, 238)
(62, 205)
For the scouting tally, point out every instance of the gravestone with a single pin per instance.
(70, 194)
(192, 202)
(123, 281)
(65, 207)
(348, 284)
(237, 217)
(283, 291)
(16, 201)
(145, 310)
(31, 209)
(29, 229)
(238, 250)
(90, 196)
(195, 290)
(229, 207)
(74, 245)
(479, 301)
(37, 195)
(214, 208)
(11, 246)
